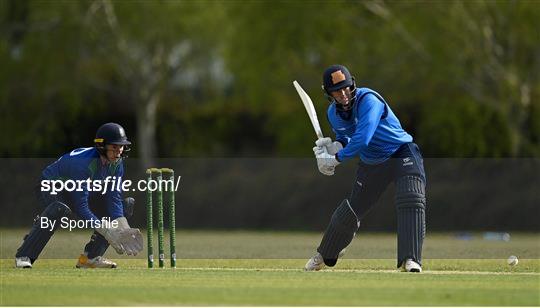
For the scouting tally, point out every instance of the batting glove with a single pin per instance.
(326, 163)
(331, 147)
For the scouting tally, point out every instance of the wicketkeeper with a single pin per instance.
(96, 163)
(366, 127)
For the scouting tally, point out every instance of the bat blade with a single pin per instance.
(310, 109)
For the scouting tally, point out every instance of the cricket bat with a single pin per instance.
(308, 104)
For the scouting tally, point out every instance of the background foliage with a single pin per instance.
(203, 79)
(213, 78)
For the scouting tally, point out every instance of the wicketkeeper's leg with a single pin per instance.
(38, 237)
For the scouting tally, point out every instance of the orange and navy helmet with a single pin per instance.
(337, 77)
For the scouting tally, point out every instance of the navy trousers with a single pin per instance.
(372, 180)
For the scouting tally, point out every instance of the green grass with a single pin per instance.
(217, 274)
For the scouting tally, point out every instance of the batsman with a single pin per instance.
(365, 127)
(97, 163)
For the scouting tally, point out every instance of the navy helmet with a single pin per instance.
(111, 133)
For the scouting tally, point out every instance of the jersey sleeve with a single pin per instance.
(115, 206)
(369, 114)
(339, 136)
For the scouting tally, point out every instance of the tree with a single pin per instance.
(150, 46)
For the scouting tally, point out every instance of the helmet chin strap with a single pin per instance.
(125, 151)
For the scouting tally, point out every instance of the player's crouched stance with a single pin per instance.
(365, 126)
(103, 160)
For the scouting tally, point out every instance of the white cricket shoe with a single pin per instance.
(23, 262)
(411, 266)
(316, 263)
(97, 262)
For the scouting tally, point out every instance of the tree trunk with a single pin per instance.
(146, 130)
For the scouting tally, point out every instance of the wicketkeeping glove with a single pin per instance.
(123, 238)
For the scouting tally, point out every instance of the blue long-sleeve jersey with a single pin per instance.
(83, 164)
(370, 130)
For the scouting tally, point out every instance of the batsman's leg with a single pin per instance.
(38, 237)
(340, 231)
(411, 205)
(369, 184)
